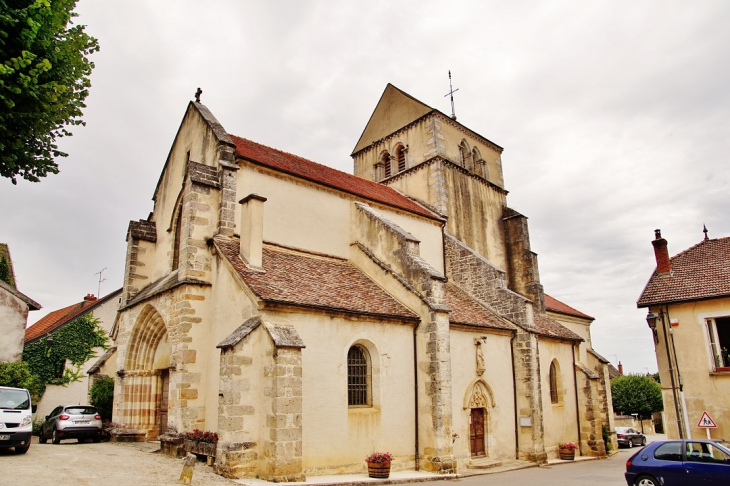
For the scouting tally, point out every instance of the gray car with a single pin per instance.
(71, 422)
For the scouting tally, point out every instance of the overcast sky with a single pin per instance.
(614, 117)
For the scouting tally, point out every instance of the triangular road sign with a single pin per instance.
(706, 422)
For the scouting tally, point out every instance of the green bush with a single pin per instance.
(102, 397)
(17, 375)
(606, 437)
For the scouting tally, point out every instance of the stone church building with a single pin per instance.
(311, 317)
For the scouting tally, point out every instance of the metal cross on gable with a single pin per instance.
(451, 93)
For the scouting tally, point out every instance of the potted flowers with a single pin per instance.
(567, 451)
(379, 464)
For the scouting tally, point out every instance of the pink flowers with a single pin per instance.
(198, 435)
(568, 445)
(380, 458)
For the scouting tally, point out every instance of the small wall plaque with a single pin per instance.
(525, 421)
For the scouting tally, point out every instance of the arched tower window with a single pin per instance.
(480, 165)
(385, 159)
(554, 396)
(400, 156)
(465, 155)
(358, 377)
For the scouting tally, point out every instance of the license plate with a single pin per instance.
(4, 437)
(80, 422)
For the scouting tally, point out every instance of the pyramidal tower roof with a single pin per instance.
(395, 110)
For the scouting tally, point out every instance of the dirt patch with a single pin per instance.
(110, 464)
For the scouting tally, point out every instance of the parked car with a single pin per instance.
(629, 437)
(71, 422)
(16, 421)
(680, 463)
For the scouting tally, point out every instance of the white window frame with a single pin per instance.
(718, 362)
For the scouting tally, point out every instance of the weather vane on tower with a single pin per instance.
(451, 93)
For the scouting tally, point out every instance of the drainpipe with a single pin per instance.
(671, 375)
(577, 405)
(514, 397)
(687, 429)
(415, 388)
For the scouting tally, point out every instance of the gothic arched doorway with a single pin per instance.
(478, 401)
(146, 375)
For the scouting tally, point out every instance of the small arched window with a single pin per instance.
(358, 377)
(400, 156)
(385, 159)
(480, 165)
(464, 155)
(176, 240)
(554, 398)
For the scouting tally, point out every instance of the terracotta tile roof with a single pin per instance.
(547, 326)
(700, 272)
(465, 310)
(321, 174)
(308, 280)
(56, 319)
(554, 305)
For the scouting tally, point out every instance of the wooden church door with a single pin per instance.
(476, 432)
(164, 397)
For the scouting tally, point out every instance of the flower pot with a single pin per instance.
(379, 470)
(567, 454)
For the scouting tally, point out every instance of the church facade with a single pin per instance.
(311, 317)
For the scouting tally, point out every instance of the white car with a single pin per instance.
(16, 418)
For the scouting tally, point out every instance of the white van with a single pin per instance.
(16, 419)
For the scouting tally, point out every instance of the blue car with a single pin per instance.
(680, 463)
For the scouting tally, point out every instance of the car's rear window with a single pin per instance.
(14, 399)
(671, 451)
(81, 410)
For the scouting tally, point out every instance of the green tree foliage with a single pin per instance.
(74, 342)
(102, 397)
(636, 394)
(5, 273)
(17, 375)
(44, 80)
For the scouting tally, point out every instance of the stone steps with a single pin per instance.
(483, 463)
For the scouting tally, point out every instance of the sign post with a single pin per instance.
(707, 423)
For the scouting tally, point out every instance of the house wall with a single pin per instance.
(13, 318)
(560, 419)
(704, 389)
(500, 413)
(77, 392)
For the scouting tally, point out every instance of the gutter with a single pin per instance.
(417, 458)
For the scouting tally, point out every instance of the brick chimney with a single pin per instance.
(252, 229)
(620, 369)
(663, 265)
(89, 298)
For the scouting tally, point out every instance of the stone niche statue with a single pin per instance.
(480, 356)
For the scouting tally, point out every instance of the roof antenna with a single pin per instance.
(98, 292)
(197, 95)
(451, 93)
(704, 230)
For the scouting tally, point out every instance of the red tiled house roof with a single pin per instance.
(549, 327)
(56, 319)
(321, 174)
(698, 273)
(308, 280)
(465, 310)
(554, 305)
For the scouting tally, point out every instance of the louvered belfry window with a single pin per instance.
(358, 377)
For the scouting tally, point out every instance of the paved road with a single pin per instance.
(606, 472)
(104, 464)
(110, 464)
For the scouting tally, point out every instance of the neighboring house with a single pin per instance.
(594, 371)
(310, 316)
(77, 392)
(14, 308)
(688, 299)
